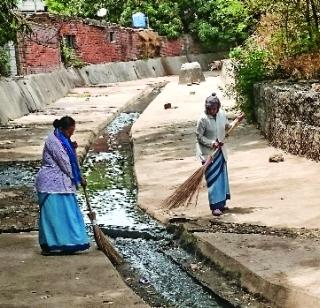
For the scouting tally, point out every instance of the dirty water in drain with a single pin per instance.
(144, 243)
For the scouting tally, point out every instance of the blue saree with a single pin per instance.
(217, 182)
(61, 225)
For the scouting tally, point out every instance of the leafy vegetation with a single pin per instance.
(4, 62)
(218, 24)
(285, 44)
(69, 57)
(250, 66)
(10, 21)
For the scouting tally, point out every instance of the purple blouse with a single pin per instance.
(55, 174)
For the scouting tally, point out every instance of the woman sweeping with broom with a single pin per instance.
(61, 225)
(211, 132)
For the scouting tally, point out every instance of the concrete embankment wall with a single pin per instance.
(289, 116)
(133, 70)
(21, 96)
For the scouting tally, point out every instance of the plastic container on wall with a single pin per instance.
(139, 20)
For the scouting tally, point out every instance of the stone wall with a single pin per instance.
(289, 116)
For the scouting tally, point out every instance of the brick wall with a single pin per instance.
(39, 51)
(171, 47)
(180, 46)
(93, 41)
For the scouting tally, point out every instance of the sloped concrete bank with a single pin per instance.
(21, 96)
(151, 68)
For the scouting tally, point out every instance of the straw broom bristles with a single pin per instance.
(185, 193)
(101, 239)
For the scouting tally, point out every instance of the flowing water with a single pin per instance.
(144, 243)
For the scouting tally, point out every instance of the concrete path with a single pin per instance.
(28, 279)
(278, 195)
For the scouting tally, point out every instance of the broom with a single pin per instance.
(101, 239)
(184, 194)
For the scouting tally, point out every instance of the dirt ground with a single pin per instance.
(18, 210)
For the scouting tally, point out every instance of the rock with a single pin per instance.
(276, 158)
(316, 87)
(194, 267)
(144, 280)
(167, 106)
(191, 73)
(215, 66)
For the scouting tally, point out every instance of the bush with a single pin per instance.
(4, 62)
(69, 57)
(250, 67)
(222, 24)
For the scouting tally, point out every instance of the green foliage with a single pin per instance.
(250, 67)
(222, 23)
(286, 43)
(163, 16)
(10, 21)
(297, 26)
(69, 57)
(4, 62)
(218, 24)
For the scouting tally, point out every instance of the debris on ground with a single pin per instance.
(276, 158)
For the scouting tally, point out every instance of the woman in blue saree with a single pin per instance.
(61, 225)
(211, 132)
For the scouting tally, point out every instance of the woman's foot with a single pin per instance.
(216, 212)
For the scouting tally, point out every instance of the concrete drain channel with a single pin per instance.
(156, 266)
(154, 262)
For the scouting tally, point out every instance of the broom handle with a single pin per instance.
(87, 199)
(234, 124)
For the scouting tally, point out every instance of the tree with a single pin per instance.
(216, 23)
(222, 23)
(10, 21)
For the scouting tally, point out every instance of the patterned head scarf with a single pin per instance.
(212, 100)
